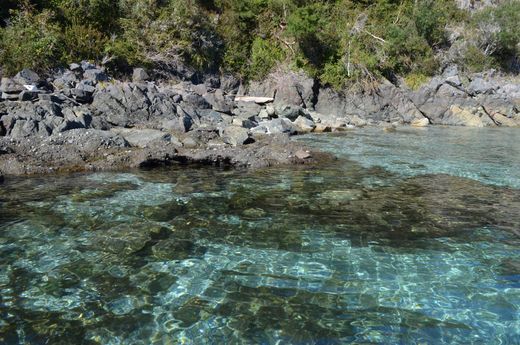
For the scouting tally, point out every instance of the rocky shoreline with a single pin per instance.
(81, 119)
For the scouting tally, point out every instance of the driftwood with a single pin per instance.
(257, 100)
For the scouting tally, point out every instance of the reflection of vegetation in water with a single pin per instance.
(332, 254)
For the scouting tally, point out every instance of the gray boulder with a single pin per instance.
(142, 137)
(9, 86)
(140, 75)
(275, 126)
(127, 104)
(27, 95)
(481, 86)
(27, 77)
(291, 112)
(95, 75)
(219, 102)
(236, 136)
(304, 125)
(287, 87)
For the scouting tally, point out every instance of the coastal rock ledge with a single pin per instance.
(81, 119)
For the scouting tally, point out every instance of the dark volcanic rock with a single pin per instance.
(126, 104)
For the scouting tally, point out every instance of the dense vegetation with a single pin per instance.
(340, 42)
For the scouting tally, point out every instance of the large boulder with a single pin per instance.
(127, 104)
(471, 117)
(10, 86)
(219, 102)
(27, 77)
(287, 87)
(275, 126)
(142, 137)
(140, 75)
(236, 136)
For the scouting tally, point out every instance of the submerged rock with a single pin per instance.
(123, 239)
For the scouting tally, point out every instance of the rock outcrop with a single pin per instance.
(82, 119)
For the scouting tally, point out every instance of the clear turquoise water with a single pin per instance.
(382, 246)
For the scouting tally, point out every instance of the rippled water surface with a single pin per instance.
(410, 237)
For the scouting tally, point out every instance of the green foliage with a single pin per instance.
(341, 42)
(264, 56)
(335, 74)
(475, 60)
(82, 42)
(430, 21)
(415, 80)
(31, 40)
(499, 28)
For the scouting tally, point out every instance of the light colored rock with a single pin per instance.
(465, 117)
(301, 154)
(304, 125)
(506, 121)
(424, 122)
(263, 114)
(142, 137)
(322, 128)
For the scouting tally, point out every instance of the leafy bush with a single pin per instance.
(264, 56)
(31, 40)
(341, 42)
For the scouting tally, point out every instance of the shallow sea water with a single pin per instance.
(410, 237)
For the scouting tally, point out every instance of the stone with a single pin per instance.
(357, 121)
(142, 137)
(140, 76)
(301, 154)
(122, 239)
(229, 84)
(49, 98)
(75, 67)
(236, 136)
(505, 121)
(304, 125)
(219, 102)
(195, 101)
(263, 114)
(322, 128)
(27, 77)
(275, 126)
(85, 66)
(9, 96)
(189, 143)
(199, 89)
(270, 110)
(424, 122)
(481, 86)
(125, 104)
(82, 95)
(288, 111)
(247, 109)
(95, 74)
(463, 116)
(26, 96)
(286, 87)
(9, 86)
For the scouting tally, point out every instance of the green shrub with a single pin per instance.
(475, 60)
(264, 56)
(335, 74)
(30, 41)
(83, 42)
(415, 80)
